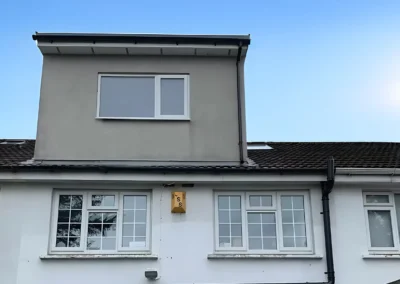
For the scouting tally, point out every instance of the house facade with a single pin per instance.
(141, 172)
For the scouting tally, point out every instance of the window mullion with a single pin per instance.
(84, 222)
(395, 230)
(157, 88)
(244, 222)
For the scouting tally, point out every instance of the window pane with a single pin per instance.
(61, 242)
(102, 226)
(377, 198)
(223, 202)
(266, 200)
(380, 228)
(65, 202)
(63, 216)
(62, 230)
(397, 204)
(109, 218)
(223, 216)
(269, 244)
(269, 230)
(298, 202)
(68, 229)
(76, 201)
(236, 216)
(93, 243)
(129, 216)
(141, 202)
(255, 230)
(230, 221)
(94, 230)
(108, 244)
(301, 242)
(260, 200)
(76, 216)
(287, 216)
(262, 234)
(127, 230)
(74, 242)
(254, 218)
(293, 221)
(237, 242)
(255, 201)
(255, 243)
(134, 228)
(140, 216)
(172, 96)
(109, 230)
(286, 202)
(234, 202)
(127, 96)
(103, 200)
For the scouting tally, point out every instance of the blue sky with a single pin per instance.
(316, 70)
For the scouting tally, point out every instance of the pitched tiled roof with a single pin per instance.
(313, 155)
(278, 156)
(11, 154)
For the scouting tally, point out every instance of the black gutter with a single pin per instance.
(326, 187)
(239, 102)
(143, 38)
(155, 169)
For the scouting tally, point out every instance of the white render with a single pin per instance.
(185, 242)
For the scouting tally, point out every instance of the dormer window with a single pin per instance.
(125, 96)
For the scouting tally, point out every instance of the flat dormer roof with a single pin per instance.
(141, 44)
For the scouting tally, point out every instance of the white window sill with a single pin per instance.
(263, 256)
(98, 256)
(145, 118)
(382, 256)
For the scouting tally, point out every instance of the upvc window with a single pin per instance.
(123, 96)
(382, 211)
(263, 222)
(100, 222)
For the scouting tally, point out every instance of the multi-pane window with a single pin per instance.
(382, 212)
(263, 221)
(123, 96)
(101, 222)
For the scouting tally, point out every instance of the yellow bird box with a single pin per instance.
(178, 202)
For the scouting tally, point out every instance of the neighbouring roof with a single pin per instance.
(142, 44)
(278, 156)
(143, 38)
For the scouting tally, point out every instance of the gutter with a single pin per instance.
(239, 102)
(368, 171)
(155, 169)
(143, 38)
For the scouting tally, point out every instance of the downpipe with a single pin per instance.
(326, 188)
(239, 102)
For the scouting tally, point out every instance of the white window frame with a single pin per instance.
(382, 207)
(157, 106)
(84, 222)
(275, 208)
(243, 213)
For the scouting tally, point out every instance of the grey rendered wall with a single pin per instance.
(68, 129)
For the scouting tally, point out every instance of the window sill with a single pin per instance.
(382, 256)
(145, 118)
(263, 256)
(98, 256)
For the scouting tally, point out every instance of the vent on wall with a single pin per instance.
(12, 142)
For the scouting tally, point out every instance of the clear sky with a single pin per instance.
(320, 70)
